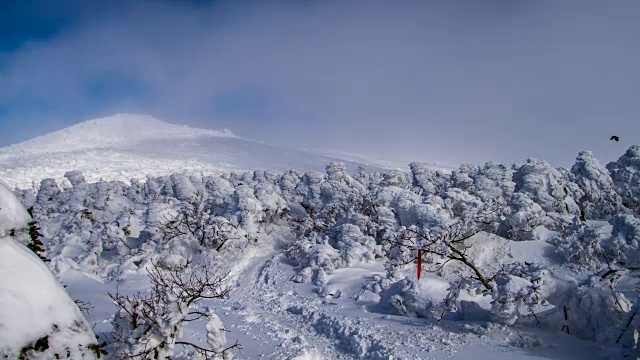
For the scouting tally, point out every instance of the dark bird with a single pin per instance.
(616, 138)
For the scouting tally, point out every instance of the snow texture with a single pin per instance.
(126, 146)
(519, 260)
(38, 319)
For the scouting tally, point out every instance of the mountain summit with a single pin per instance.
(126, 146)
(116, 130)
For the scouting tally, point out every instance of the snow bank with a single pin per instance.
(12, 213)
(38, 319)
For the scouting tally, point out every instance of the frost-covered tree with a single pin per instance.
(597, 197)
(35, 244)
(149, 325)
(524, 216)
(581, 244)
(590, 309)
(48, 192)
(193, 228)
(623, 246)
(309, 189)
(427, 181)
(541, 183)
(625, 173)
(449, 242)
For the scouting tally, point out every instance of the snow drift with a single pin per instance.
(38, 319)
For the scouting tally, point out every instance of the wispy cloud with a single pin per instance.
(427, 80)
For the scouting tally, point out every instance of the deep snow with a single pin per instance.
(322, 263)
(35, 311)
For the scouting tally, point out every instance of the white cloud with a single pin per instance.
(426, 80)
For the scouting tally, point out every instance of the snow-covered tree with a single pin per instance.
(625, 173)
(541, 183)
(597, 198)
(149, 325)
(427, 181)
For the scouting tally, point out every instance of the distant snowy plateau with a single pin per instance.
(204, 240)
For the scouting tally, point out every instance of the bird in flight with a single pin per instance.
(616, 138)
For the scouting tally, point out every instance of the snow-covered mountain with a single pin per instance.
(126, 146)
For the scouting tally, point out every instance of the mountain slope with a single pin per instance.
(128, 146)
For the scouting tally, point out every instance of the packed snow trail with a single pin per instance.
(276, 318)
(273, 317)
(256, 312)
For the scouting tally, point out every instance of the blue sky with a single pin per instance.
(464, 81)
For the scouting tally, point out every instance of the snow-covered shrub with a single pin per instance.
(341, 234)
(182, 187)
(38, 319)
(629, 333)
(353, 245)
(48, 192)
(595, 311)
(493, 182)
(624, 243)
(448, 243)
(591, 310)
(349, 224)
(597, 197)
(541, 183)
(412, 298)
(75, 178)
(339, 186)
(581, 244)
(462, 178)
(396, 178)
(148, 325)
(524, 216)
(287, 184)
(309, 189)
(625, 173)
(195, 227)
(520, 292)
(461, 203)
(106, 228)
(427, 181)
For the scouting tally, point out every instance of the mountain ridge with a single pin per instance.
(126, 146)
(115, 130)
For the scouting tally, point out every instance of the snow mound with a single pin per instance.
(116, 130)
(12, 213)
(38, 319)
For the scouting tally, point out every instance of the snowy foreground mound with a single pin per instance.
(38, 319)
(515, 261)
(128, 146)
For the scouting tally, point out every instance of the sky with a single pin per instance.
(427, 80)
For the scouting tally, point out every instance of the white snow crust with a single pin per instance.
(33, 305)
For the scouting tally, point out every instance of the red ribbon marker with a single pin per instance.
(419, 263)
